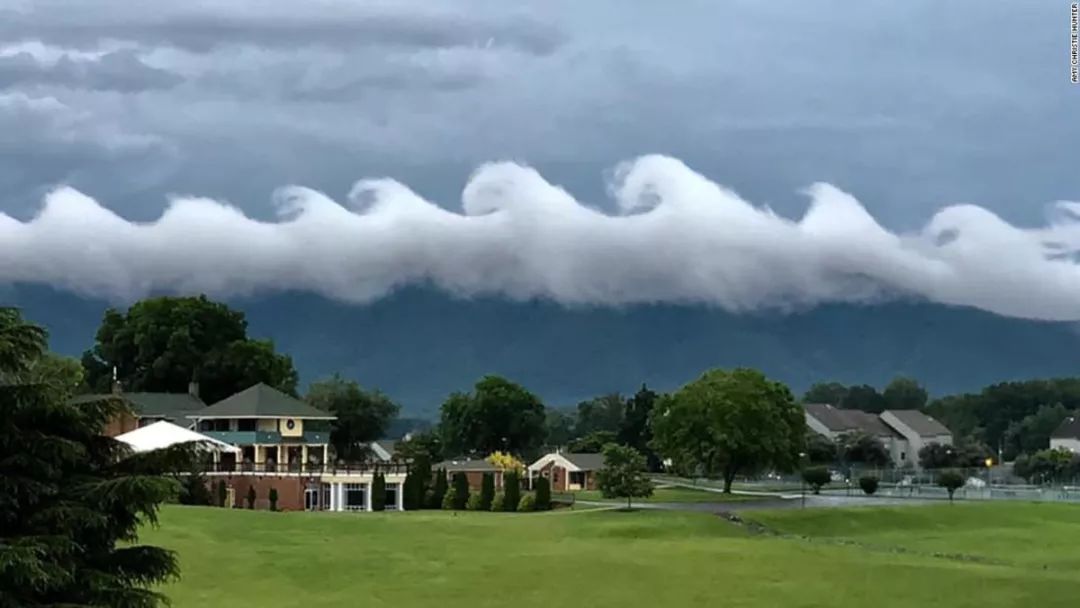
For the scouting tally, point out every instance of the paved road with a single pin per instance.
(812, 502)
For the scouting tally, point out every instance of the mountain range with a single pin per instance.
(419, 344)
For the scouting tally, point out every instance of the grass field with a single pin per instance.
(670, 495)
(602, 558)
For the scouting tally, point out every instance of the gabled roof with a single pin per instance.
(168, 406)
(923, 424)
(586, 462)
(262, 401)
(848, 421)
(572, 462)
(384, 448)
(1068, 429)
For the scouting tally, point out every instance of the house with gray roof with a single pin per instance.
(919, 429)
(902, 432)
(1067, 435)
(142, 408)
(568, 472)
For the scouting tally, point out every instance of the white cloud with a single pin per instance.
(677, 237)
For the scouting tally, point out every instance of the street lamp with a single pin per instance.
(802, 476)
(989, 484)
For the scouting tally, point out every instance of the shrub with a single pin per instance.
(543, 494)
(475, 503)
(461, 491)
(378, 492)
(194, 490)
(512, 490)
(527, 504)
(950, 480)
(222, 494)
(499, 502)
(273, 499)
(439, 490)
(487, 491)
(816, 477)
(449, 499)
(429, 499)
(251, 497)
(869, 484)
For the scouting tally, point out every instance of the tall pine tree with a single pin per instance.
(378, 492)
(71, 500)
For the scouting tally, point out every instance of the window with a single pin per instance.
(903, 455)
(246, 424)
(354, 496)
(577, 478)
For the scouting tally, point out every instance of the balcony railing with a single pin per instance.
(351, 468)
(267, 437)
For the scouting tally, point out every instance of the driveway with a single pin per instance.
(765, 504)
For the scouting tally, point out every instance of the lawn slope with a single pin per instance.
(607, 558)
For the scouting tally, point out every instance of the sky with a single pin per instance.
(740, 154)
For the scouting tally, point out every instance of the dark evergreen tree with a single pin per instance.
(438, 490)
(71, 500)
(378, 492)
(487, 491)
(512, 489)
(194, 490)
(273, 499)
(543, 494)
(251, 497)
(408, 489)
(222, 494)
(461, 491)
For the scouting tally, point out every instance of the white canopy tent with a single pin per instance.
(164, 434)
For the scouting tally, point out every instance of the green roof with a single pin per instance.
(262, 401)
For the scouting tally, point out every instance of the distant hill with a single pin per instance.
(419, 345)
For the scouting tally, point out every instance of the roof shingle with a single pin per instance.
(262, 401)
(923, 424)
(1068, 429)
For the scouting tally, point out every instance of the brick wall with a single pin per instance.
(290, 490)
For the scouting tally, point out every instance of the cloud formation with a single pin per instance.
(675, 236)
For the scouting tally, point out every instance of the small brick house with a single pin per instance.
(568, 472)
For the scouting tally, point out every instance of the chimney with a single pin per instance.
(193, 389)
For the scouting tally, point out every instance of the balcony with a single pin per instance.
(267, 437)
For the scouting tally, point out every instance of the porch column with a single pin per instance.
(367, 497)
(400, 495)
(339, 499)
(303, 458)
(324, 457)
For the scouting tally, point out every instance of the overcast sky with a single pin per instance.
(908, 106)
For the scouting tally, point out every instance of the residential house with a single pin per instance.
(568, 472)
(147, 408)
(284, 445)
(902, 432)
(918, 429)
(1067, 435)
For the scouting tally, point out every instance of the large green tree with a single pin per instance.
(72, 501)
(498, 415)
(729, 422)
(831, 393)
(635, 430)
(362, 416)
(904, 393)
(558, 427)
(162, 344)
(604, 413)
(623, 474)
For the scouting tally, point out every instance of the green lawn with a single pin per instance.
(671, 495)
(606, 558)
